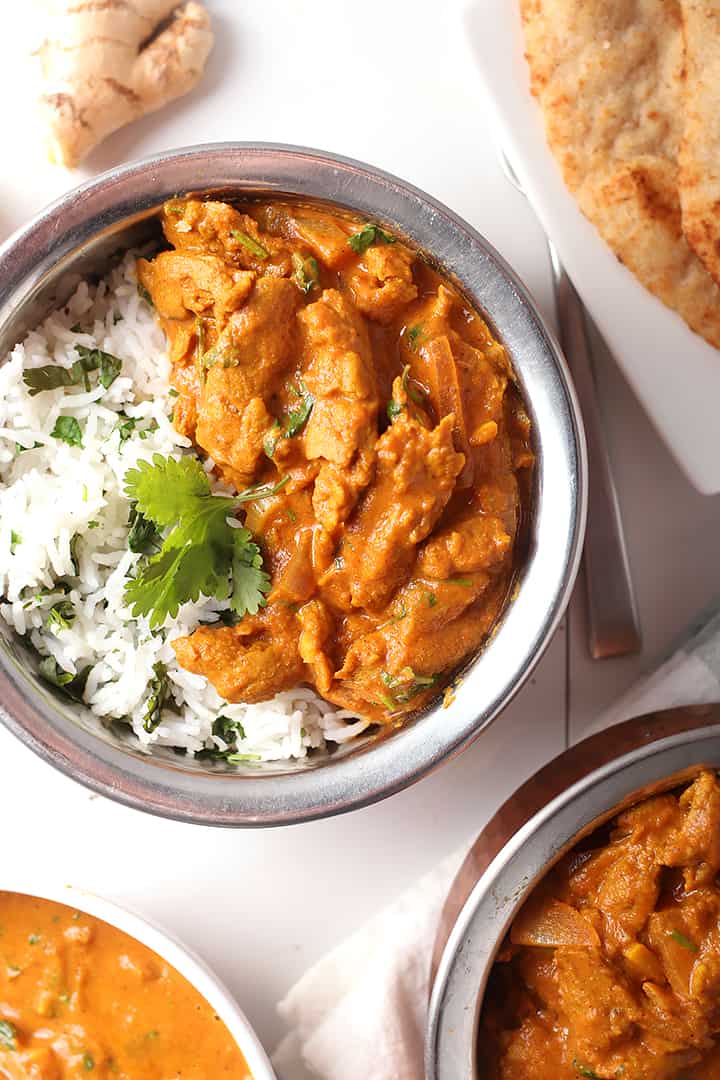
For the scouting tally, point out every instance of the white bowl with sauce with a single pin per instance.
(168, 948)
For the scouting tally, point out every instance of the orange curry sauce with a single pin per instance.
(81, 999)
(313, 348)
(612, 968)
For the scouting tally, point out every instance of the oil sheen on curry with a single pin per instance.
(79, 998)
(315, 351)
(612, 968)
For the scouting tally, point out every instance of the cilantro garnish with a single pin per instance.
(413, 335)
(73, 685)
(369, 234)
(53, 376)
(61, 616)
(68, 430)
(8, 1035)
(143, 537)
(202, 553)
(583, 1070)
(394, 408)
(298, 418)
(159, 689)
(306, 273)
(681, 939)
(250, 244)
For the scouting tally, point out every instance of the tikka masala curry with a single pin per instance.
(81, 999)
(612, 968)
(317, 353)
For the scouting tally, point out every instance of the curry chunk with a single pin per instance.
(339, 373)
(193, 225)
(382, 282)
(249, 662)
(416, 470)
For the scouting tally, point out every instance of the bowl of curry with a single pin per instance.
(580, 937)
(366, 377)
(87, 988)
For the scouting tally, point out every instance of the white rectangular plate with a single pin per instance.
(673, 371)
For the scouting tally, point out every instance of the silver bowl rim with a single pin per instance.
(502, 667)
(472, 944)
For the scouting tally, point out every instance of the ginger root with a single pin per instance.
(104, 64)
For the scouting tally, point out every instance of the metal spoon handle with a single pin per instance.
(612, 614)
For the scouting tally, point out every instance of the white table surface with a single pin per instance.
(391, 84)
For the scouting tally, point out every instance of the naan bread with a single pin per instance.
(609, 76)
(700, 146)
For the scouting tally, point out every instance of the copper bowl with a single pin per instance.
(565, 801)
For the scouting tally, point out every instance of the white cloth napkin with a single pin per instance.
(360, 1013)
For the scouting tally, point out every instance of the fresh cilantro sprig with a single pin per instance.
(202, 553)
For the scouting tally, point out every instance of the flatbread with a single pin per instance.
(700, 146)
(609, 77)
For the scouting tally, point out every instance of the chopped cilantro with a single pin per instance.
(93, 524)
(8, 1035)
(394, 408)
(250, 244)
(127, 427)
(21, 449)
(159, 689)
(681, 939)
(583, 1070)
(67, 429)
(306, 273)
(61, 616)
(88, 1062)
(298, 418)
(228, 730)
(272, 438)
(431, 599)
(73, 685)
(464, 581)
(15, 539)
(413, 335)
(367, 236)
(33, 939)
(74, 543)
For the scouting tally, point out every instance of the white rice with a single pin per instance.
(54, 492)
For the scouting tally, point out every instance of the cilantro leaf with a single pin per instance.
(61, 616)
(250, 244)
(298, 418)
(165, 489)
(53, 376)
(250, 582)
(159, 689)
(367, 236)
(306, 273)
(202, 550)
(108, 365)
(143, 537)
(68, 430)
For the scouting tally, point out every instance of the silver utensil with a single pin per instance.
(613, 625)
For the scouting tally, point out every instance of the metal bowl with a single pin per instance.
(564, 802)
(77, 236)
